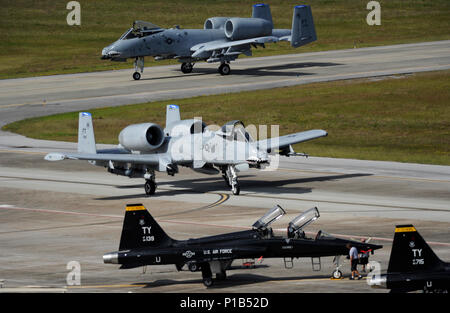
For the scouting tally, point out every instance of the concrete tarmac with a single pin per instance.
(52, 213)
(37, 96)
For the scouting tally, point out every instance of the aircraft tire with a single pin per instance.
(150, 187)
(186, 68)
(224, 69)
(236, 189)
(208, 281)
(193, 267)
(206, 274)
(337, 274)
(136, 76)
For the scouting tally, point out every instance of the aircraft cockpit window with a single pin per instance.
(323, 235)
(128, 35)
(198, 128)
(240, 134)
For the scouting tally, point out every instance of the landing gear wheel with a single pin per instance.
(150, 187)
(193, 267)
(136, 76)
(186, 68)
(207, 281)
(224, 69)
(235, 189)
(206, 274)
(337, 274)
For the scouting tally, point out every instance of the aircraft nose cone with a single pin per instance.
(105, 54)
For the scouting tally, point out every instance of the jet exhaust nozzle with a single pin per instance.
(111, 258)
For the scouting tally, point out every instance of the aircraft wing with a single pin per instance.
(152, 159)
(287, 140)
(224, 44)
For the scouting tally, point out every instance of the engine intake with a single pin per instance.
(243, 28)
(142, 137)
(215, 22)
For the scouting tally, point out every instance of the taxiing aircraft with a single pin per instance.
(143, 242)
(222, 40)
(146, 148)
(413, 265)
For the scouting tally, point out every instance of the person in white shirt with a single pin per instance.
(353, 261)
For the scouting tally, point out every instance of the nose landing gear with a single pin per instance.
(138, 68)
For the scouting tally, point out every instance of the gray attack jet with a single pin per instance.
(143, 242)
(147, 147)
(222, 40)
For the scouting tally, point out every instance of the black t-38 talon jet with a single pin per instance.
(143, 242)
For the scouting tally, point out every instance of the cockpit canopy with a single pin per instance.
(235, 130)
(140, 29)
(268, 218)
(128, 34)
(304, 219)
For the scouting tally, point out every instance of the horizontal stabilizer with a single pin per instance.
(54, 156)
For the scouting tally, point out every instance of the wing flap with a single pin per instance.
(284, 141)
(222, 44)
(152, 159)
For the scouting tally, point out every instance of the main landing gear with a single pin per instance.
(150, 183)
(186, 68)
(207, 275)
(230, 177)
(224, 69)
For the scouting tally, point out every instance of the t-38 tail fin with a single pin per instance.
(410, 252)
(140, 230)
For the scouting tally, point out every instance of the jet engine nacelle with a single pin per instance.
(217, 22)
(142, 137)
(243, 28)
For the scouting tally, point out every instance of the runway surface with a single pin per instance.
(27, 97)
(52, 213)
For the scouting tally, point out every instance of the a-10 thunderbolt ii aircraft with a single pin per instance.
(143, 242)
(146, 148)
(222, 40)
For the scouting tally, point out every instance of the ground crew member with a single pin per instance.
(353, 253)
